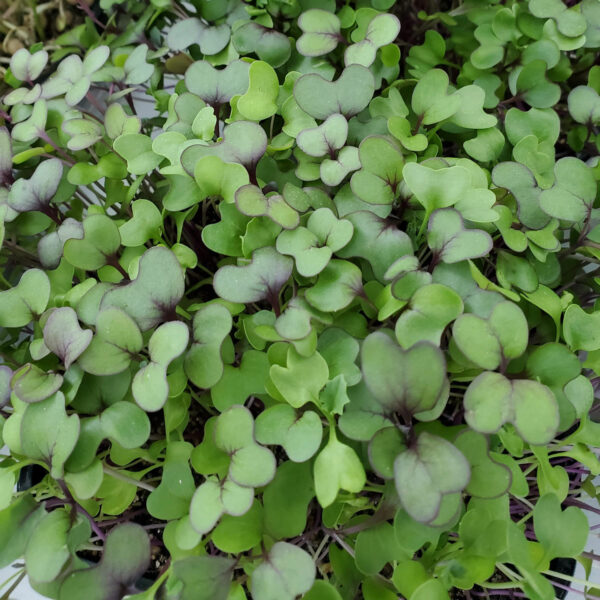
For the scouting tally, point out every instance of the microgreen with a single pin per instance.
(299, 298)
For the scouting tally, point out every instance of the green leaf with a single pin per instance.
(251, 201)
(451, 242)
(286, 573)
(286, 500)
(99, 245)
(64, 336)
(203, 362)
(214, 498)
(48, 434)
(427, 471)
(337, 286)
(487, 343)
(47, 550)
(492, 400)
(216, 86)
(432, 308)
(584, 105)
(26, 301)
(562, 533)
(204, 577)
(188, 32)
(320, 32)
(489, 479)
(268, 44)
(376, 547)
(437, 188)
(217, 178)
(143, 299)
(261, 279)
(125, 558)
(143, 226)
(36, 193)
(32, 384)
(379, 179)
(572, 196)
(259, 102)
(126, 424)
(381, 31)
(409, 381)
(581, 329)
(117, 339)
(337, 467)
(430, 100)
(239, 534)
(348, 95)
(300, 436)
(136, 148)
(301, 380)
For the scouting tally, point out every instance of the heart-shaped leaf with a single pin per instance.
(488, 343)
(572, 196)
(26, 66)
(152, 296)
(187, 32)
(48, 434)
(519, 180)
(150, 387)
(333, 171)
(171, 499)
(63, 335)
(37, 192)
(301, 380)
(584, 105)
(136, 149)
(337, 286)
(97, 247)
(348, 95)
(326, 139)
(436, 188)
(261, 279)
(489, 479)
(269, 45)
(381, 31)
(427, 471)
(32, 384)
(217, 86)
(243, 142)
(300, 436)
(251, 464)
(313, 246)
(251, 201)
(337, 467)
(561, 533)
(432, 308)
(406, 381)
(286, 573)
(581, 329)
(451, 242)
(117, 339)
(26, 301)
(204, 577)
(144, 225)
(215, 498)
(260, 100)
(492, 400)
(377, 240)
(431, 101)
(203, 363)
(379, 178)
(125, 558)
(320, 32)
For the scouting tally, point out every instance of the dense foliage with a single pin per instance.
(325, 324)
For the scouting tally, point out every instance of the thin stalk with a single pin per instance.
(118, 475)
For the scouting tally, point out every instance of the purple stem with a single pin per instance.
(492, 593)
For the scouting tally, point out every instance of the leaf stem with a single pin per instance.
(118, 475)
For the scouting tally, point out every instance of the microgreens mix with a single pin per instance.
(325, 324)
